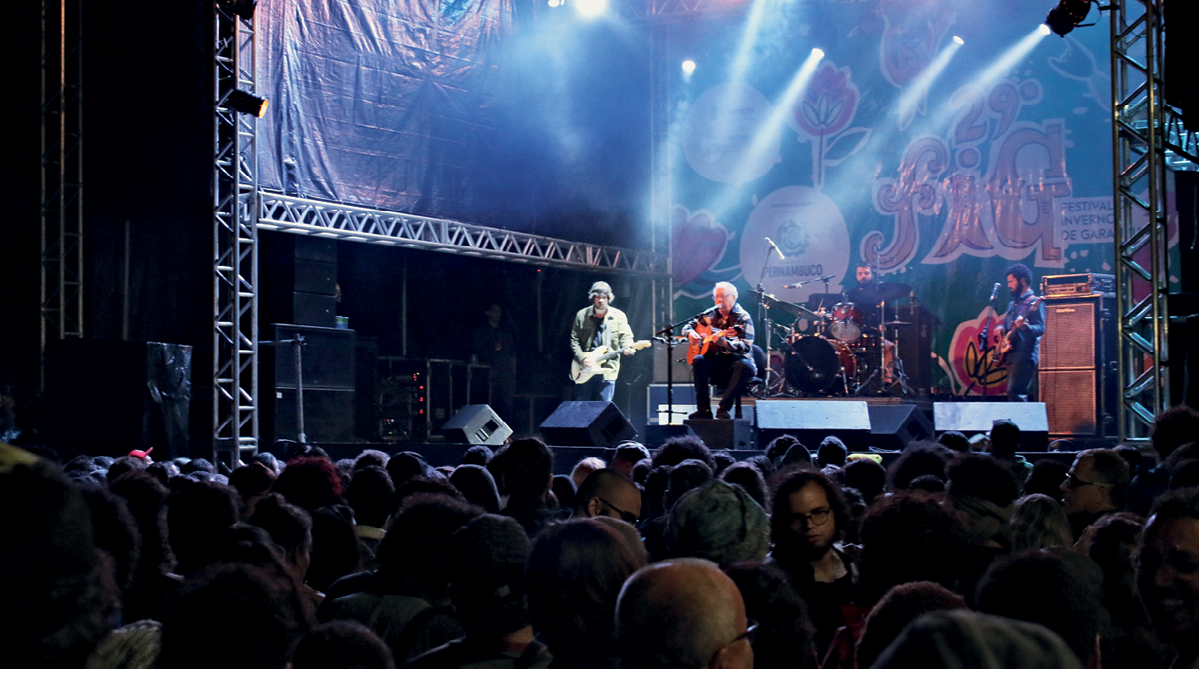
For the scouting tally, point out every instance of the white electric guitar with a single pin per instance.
(581, 374)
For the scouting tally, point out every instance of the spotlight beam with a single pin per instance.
(924, 81)
(1012, 56)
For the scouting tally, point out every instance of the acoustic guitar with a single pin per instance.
(709, 336)
(1004, 344)
(581, 374)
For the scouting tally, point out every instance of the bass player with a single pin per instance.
(1023, 325)
(721, 339)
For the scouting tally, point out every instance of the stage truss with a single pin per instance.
(1148, 141)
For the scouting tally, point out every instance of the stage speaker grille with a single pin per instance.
(1072, 411)
(1069, 340)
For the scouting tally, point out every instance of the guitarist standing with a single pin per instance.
(726, 360)
(1024, 324)
(599, 326)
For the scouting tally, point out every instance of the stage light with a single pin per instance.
(590, 8)
(1043, 30)
(958, 40)
(245, 102)
(818, 53)
(1067, 16)
(555, 3)
(688, 66)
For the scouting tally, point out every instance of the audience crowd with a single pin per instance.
(959, 553)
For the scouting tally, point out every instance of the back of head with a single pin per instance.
(600, 484)
(334, 546)
(719, 522)
(954, 441)
(1174, 427)
(747, 476)
(676, 615)
(196, 512)
(477, 486)
(908, 537)
(630, 452)
(960, 639)
(342, 644)
(575, 573)
(785, 638)
(405, 465)
(477, 455)
(371, 494)
(417, 544)
(778, 446)
(832, 451)
(980, 477)
(487, 584)
(1005, 438)
(685, 476)
(867, 476)
(309, 483)
(252, 615)
(1038, 522)
(1056, 588)
(289, 526)
(918, 459)
(677, 449)
(1046, 478)
(251, 480)
(585, 467)
(371, 458)
(526, 466)
(898, 608)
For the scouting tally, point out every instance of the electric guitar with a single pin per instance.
(1003, 344)
(709, 335)
(581, 374)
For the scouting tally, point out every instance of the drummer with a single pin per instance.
(865, 298)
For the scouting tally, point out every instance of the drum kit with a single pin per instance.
(833, 350)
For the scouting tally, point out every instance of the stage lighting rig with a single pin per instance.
(1069, 15)
(245, 102)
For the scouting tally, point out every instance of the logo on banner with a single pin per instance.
(976, 373)
(809, 230)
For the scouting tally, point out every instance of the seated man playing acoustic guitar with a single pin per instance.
(722, 341)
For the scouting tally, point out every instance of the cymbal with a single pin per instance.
(900, 323)
(777, 304)
(887, 291)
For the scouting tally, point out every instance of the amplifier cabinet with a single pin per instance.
(1078, 365)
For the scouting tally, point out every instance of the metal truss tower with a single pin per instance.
(1148, 140)
(62, 174)
(235, 245)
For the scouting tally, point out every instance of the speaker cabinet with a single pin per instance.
(327, 357)
(328, 415)
(811, 421)
(893, 427)
(733, 435)
(586, 423)
(1078, 365)
(476, 424)
(971, 417)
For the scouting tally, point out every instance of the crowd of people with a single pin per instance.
(952, 555)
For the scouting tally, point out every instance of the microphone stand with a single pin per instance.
(298, 343)
(667, 336)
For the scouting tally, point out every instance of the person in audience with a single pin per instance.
(1038, 522)
(477, 486)
(626, 455)
(1046, 478)
(606, 492)
(290, 529)
(961, 639)
(371, 495)
(1005, 442)
(487, 586)
(1168, 573)
(575, 573)
(899, 607)
(682, 614)
(918, 459)
(808, 515)
(677, 449)
(1095, 486)
(341, 645)
(154, 583)
(525, 467)
(585, 467)
(868, 476)
(196, 512)
(719, 522)
(310, 483)
(1171, 429)
(832, 451)
(785, 638)
(748, 476)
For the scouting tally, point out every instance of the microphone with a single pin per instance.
(776, 248)
(995, 292)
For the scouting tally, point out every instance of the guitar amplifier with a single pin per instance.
(1073, 286)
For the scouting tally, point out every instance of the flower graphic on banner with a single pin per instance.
(698, 243)
(823, 115)
(973, 367)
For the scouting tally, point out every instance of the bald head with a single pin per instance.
(682, 614)
(608, 493)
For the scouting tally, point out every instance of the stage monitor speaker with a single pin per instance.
(893, 427)
(476, 424)
(732, 435)
(811, 421)
(586, 423)
(971, 417)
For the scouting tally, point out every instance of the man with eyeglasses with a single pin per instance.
(808, 515)
(606, 492)
(683, 614)
(1095, 486)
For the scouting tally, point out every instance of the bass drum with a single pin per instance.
(814, 365)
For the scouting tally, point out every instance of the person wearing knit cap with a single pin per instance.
(600, 328)
(718, 522)
(487, 588)
(961, 639)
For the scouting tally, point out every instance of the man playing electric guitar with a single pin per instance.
(599, 327)
(1022, 327)
(726, 359)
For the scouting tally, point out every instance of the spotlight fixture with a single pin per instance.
(245, 102)
(1068, 15)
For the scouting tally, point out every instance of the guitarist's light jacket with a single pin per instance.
(1026, 342)
(617, 335)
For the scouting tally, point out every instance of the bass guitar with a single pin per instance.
(581, 374)
(1004, 344)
